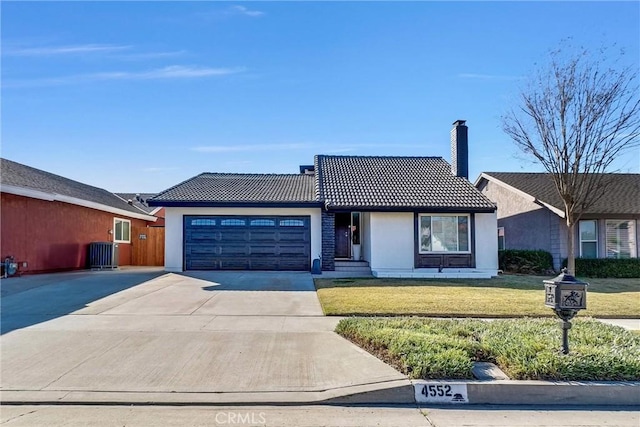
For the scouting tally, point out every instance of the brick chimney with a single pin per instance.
(460, 149)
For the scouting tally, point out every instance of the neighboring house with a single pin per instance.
(139, 200)
(401, 216)
(531, 216)
(48, 221)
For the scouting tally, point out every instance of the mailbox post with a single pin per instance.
(566, 295)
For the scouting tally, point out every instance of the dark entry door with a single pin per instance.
(343, 244)
(247, 243)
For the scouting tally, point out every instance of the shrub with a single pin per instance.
(607, 267)
(525, 349)
(525, 261)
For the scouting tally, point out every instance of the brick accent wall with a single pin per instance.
(328, 241)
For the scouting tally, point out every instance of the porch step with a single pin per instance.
(355, 267)
(347, 263)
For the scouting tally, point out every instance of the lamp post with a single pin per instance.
(566, 295)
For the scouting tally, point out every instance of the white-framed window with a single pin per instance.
(588, 230)
(500, 238)
(620, 241)
(121, 230)
(444, 233)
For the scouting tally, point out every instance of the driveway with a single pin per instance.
(121, 335)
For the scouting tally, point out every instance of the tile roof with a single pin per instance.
(19, 175)
(228, 188)
(622, 195)
(140, 204)
(361, 182)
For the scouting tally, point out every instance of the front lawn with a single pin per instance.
(503, 296)
(525, 349)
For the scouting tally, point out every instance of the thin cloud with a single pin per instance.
(166, 73)
(253, 147)
(65, 50)
(488, 76)
(149, 55)
(241, 10)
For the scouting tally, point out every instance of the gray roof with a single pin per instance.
(19, 175)
(395, 183)
(621, 196)
(228, 188)
(140, 203)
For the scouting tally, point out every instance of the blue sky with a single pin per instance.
(138, 96)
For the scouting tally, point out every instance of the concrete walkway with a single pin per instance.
(148, 336)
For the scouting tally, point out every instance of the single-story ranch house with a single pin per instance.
(403, 216)
(49, 221)
(531, 216)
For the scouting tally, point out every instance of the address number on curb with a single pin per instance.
(444, 392)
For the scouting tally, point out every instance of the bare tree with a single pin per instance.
(576, 117)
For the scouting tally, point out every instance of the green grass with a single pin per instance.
(504, 296)
(525, 349)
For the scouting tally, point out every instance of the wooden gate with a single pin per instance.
(147, 246)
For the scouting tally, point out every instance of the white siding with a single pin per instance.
(173, 249)
(392, 240)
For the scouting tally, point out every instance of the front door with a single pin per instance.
(343, 226)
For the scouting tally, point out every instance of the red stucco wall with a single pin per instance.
(53, 236)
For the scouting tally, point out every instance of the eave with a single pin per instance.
(54, 197)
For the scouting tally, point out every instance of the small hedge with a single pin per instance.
(525, 261)
(626, 268)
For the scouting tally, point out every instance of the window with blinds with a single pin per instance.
(620, 238)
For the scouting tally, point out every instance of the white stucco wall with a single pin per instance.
(173, 249)
(391, 238)
(486, 226)
(366, 236)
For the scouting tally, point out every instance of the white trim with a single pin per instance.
(53, 197)
(521, 193)
(123, 220)
(431, 215)
(580, 241)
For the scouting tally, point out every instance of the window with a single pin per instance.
(262, 223)
(500, 238)
(204, 222)
(233, 222)
(355, 228)
(446, 233)
(620, 238)
(588, 239)
(122, 230)
(291, 223)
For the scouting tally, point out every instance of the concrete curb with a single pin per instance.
(513, 392)
(400, 392)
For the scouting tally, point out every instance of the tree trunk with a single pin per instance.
(571, 247)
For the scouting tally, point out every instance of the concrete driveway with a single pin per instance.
(133, 336)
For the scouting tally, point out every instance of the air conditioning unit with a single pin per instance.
(103, 255)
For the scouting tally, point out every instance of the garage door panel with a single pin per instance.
(247, 242)
(263, 236)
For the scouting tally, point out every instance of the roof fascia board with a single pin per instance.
(205, 204)
(53, 197)
(421, 209)
(521, 193)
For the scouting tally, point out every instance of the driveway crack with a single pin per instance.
(95, 356)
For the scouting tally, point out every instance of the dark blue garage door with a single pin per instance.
(247, 243)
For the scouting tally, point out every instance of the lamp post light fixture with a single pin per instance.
(566, 295)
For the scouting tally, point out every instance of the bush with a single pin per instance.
(627, 268)
(525, 261)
